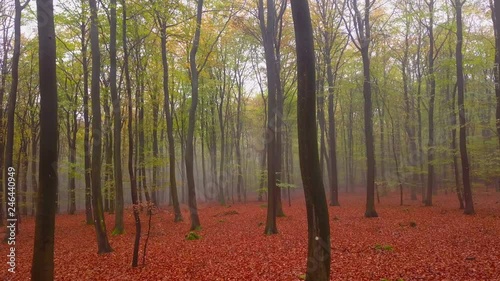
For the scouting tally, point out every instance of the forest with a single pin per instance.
(250, 140)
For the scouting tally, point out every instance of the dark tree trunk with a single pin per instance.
(86, 136)
(117, 123)
(268, 35)
(495, 16)
(42, 267)
(170, 125)
(432, 85)
(97, 208)
(239, 125)
(318, 256)
(332, 142)
(363, 44)
(11, 106)
(131, 169)
(469, 205)
(193, 209)
(34, 182)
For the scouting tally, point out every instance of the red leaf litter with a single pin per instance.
(409, 242)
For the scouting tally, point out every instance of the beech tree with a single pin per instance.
(469, 205)
(97, 208)
(362, 27)
(318, 226)
(42, 267)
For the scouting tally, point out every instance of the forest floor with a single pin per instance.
(409, 242)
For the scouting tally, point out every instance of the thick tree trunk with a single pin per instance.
(43, 250)
(318, 256)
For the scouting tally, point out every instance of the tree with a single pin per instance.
(362, 43)
(97, 208)
(469, 205)
(193, 209)
(168, 116)
(267, 30)
(11, 107)
(131, 169)
(318, 254)
(495, 15)
(43, 254)
(117, 123)
(432, 96)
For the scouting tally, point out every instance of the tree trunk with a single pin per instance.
(193, 209)
(131, 168)
(42, 267)
(86, 136)
(117, 122)
(11, 106)
(318, 256)
(432, 85)
(97, 208)
(170, 126)
(268, 35)
(469, 205)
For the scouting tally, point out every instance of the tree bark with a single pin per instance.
(97, 208)
(318, 256)
(193, 209)
(117, 123)
(469, 204)
(42, 267)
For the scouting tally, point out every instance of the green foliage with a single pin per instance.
(380, 247)
(193, 236)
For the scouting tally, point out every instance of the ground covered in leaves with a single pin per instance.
(409, 242)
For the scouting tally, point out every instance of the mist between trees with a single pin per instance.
(199, 101)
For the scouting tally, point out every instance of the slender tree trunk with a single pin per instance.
(117, 122)
(97, 208)
(432, 85)
(42, 267)
(332, 142)
(11, 106)
(170, 126)
(86, 136)
(469, 205)
(193, 209)
(131, 168)
(317, 209)
(267, 30)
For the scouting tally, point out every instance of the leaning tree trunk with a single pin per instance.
(318, 256)
(43, 250)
